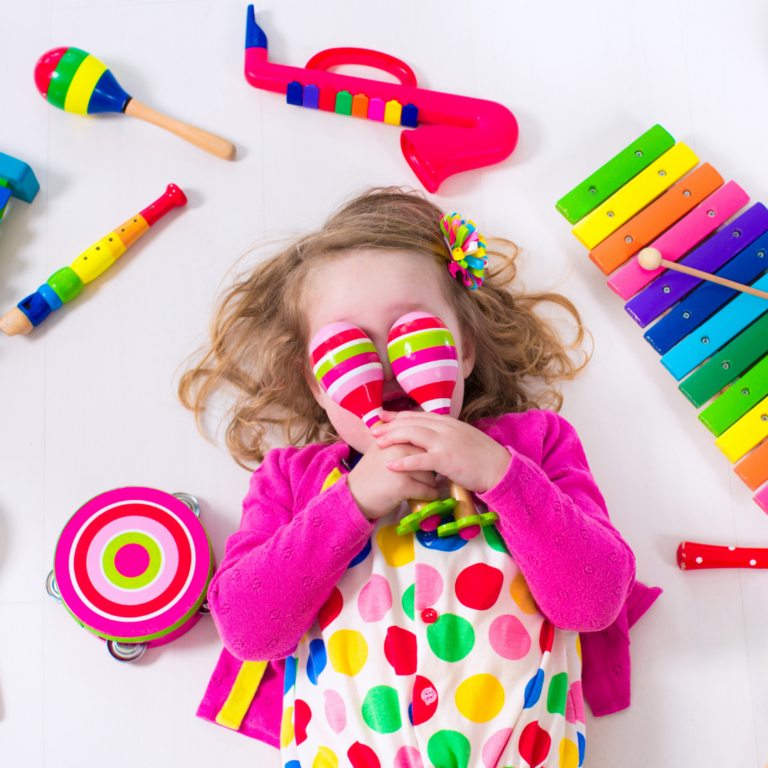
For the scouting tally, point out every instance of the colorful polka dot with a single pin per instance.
(534, 744)
(574, 706)
(293, 764)
(494, 540)
(397, 550)
(335, 711)
(430, 540)
(509, 638)
(557, 693)
(400, 650)
(479, 586)
(361, 555)
(493, 748)
(290, 673)
(451, 637)
(375, 599)
(331, 608)
(362, 756)
(381, 709)
(302, 714)
(316, 661)
(429, 586)
(325, 758)
(533, 689)
(578, 646)
(286, 728)
(569, 754)
(480, 698)
(546, 636)
(408, 757)
(582, 748)
(449, 749)
(522, 595)
(408, 601)
(348, 651)
(425, 700)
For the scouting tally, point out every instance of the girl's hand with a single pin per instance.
(377, 491)
(450, 447)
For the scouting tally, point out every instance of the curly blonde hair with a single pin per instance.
(258, 338)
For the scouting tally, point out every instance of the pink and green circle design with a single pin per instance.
(132, 560)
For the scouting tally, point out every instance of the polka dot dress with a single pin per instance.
(432, 652)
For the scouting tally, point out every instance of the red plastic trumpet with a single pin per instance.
(693, 556)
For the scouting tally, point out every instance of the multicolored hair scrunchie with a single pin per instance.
(467, 247)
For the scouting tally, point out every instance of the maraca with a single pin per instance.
(423, 356)
(75, 81)
(347, 366)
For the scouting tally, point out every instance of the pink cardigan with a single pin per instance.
(294, 544)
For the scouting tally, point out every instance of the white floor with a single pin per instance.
(88, 398)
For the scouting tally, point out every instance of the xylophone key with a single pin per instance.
(311, 97)
(410, 116)
(392, 112)
(746, 433)
(754, 469)
(667, 289)
(723, 367)
(360, 106)
(343, 103)
(742, 395)
(659, 216)
(716, 332)
(761, 499)
(634, 196)
(376, 109)
(595, 190)
(695, 308)
(327, 101)
(704, 219)
(19, 178)
(293, 94)
(5, 196)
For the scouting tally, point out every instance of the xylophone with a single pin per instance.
(640, 208)
(132, 566)
(75, 81)
(64, 285)
(17, 180)
(452, 133)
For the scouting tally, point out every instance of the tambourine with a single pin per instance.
(132, 566)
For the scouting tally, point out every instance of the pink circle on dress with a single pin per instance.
(408, 757)
(493, 748)
(574, 704)
(335, 711)
(131, 560)
(429, 586)
(509, 638)
(375, 599)
(155, 588)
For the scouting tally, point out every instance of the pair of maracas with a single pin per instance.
(423, 357)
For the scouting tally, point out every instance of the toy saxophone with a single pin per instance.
(451, 133)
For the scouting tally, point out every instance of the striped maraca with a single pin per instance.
(75, 81)
(423, 357)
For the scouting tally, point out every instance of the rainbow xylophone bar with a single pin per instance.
(712, 339)
(64, 285)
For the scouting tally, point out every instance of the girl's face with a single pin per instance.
(373, 289)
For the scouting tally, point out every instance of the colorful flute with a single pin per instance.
(452, 133)
(423, 357)
(639, 214)
(76, 81)
(65, 284)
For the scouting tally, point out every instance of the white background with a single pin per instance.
(87, 400)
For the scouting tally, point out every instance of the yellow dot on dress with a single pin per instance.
(286, 728)
(325, 758)
(397, 550)
(480, 698)
(347, 651)
(569, 754)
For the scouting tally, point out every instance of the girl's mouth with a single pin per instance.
(401, 403)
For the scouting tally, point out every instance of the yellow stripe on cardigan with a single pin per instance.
(240, 697)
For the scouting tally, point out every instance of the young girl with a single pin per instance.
(413, 650)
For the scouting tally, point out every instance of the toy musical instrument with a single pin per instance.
(17, 180)
(692, 556)
(423, 357)
(64, 285)
(76, 81)
(712, 338)
(451, 133)
(132, 566)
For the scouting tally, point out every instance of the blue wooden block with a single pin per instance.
(716, 332)
(294, 93)
(5, 196)
(20, 177)
(311, 97)
(410, 116)
(694, 309)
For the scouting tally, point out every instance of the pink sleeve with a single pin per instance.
(280, 567)
(555, 523)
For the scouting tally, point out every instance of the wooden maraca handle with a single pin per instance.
(200, 138)
(693, 556)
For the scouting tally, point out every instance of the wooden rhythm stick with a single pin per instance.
(75, 81)
(650, 258)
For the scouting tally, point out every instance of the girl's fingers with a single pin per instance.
(400, 418)
(419, 436)
(420, 462)
(423, 492)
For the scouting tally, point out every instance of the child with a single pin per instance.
(409, 650)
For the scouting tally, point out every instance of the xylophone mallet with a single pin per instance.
(651, 258)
